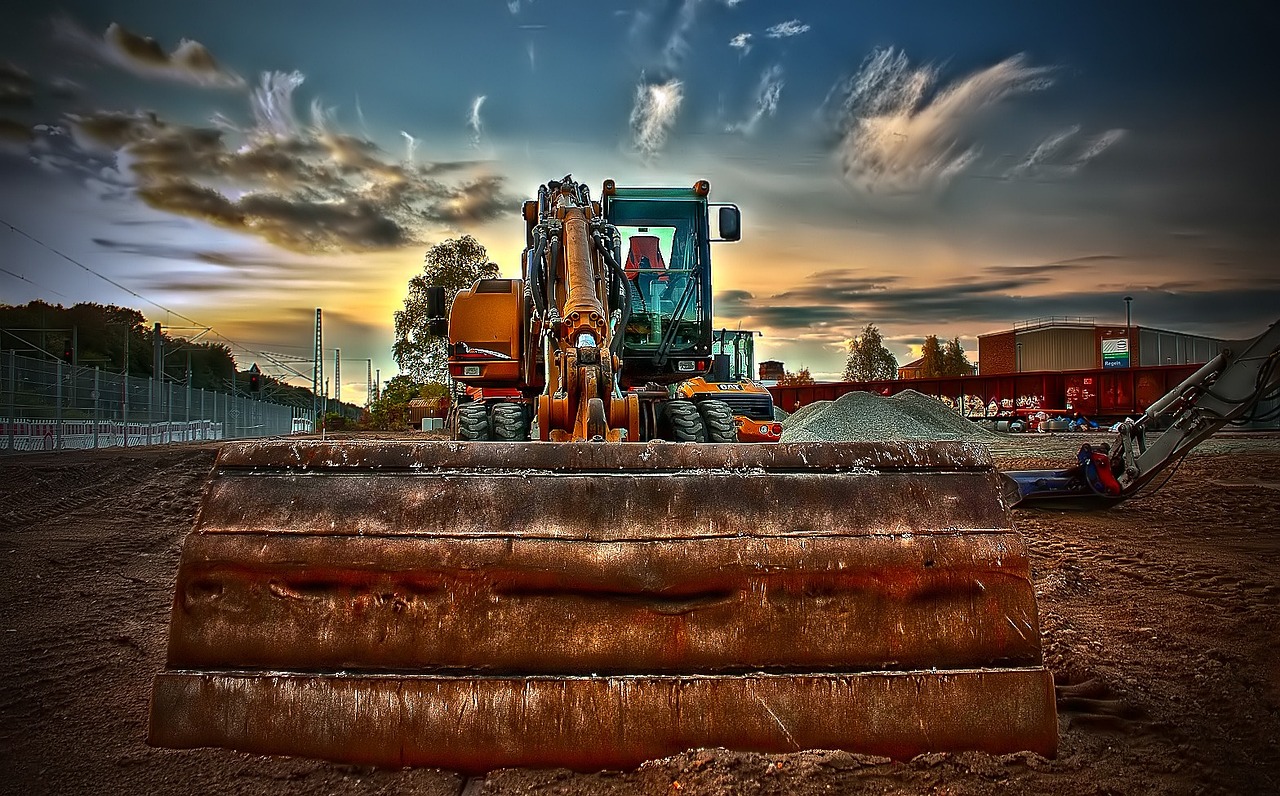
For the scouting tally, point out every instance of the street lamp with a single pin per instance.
(1128, 329)
(1019, 364)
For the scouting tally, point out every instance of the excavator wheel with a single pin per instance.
(717, 420)
(510, 423)
(681, 422)
(473, 422)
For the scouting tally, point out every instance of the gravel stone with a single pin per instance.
(868, 417)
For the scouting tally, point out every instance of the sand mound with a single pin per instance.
(867, 417)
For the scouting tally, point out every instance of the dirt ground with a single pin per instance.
(1161, 622)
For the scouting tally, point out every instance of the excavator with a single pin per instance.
(732, 381)
(1234, 388)
(594, 572)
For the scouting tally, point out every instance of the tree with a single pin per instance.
(453, 264)
(868, 359)
(931, 358)
(954, 362)
(801, 377)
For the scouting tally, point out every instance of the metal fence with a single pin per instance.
(50, 406)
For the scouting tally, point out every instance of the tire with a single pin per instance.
(473, 422)
(717, 421)
(510, 423)
(680, 422)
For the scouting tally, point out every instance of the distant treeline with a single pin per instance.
(96, 335)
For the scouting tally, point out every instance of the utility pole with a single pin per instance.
(337, 375)
(317, 370)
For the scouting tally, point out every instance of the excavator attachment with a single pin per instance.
(479, 605)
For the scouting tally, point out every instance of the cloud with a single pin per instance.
(1062, 154)
(768, 91)
(191, 62)
(654, 113)
(17, 89)
(785, 30)
(742, 42)
(474, 122)
(309, 188)
(15, 137)
(900, 133)
(410, 147)
(660, 31)
(514, 5)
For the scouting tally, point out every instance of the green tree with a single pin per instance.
(869, 360)
(802, 376)
(453, 264)
(931, 358)
(954, 361)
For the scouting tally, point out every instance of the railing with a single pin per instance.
(52, 406)
(1054, 320)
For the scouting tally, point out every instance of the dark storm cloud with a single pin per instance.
(15, 133)
(839, 306)
(17, 89)
(1058, 267)
(191, 62)
(309, 188)
(171, 252)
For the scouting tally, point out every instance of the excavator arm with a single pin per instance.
(1229, 389)
(579, 296)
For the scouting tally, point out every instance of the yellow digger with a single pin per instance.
(569, 582)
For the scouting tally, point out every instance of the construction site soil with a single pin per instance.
(1160, 620)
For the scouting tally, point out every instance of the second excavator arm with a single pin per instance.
(1232, 388)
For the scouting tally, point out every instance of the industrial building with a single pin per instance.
(1064, 343)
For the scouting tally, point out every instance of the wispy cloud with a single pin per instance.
(785, 30)
(473, 120)
(654, 113)
(514, 5)
(660, 31)
(1063, 153)
(17, 89)
(900, 133)
(191, 62)
(765, 100)
(305, 187)
(15, 137)
(410, 147)
(741, 42)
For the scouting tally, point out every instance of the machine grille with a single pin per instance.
(754, 406)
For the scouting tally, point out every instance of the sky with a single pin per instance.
(932, 168)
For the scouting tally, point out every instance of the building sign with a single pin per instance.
(1115, 352)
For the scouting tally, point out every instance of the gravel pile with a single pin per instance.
(780, 414)
(867, 417)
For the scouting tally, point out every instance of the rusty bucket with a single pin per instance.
(479, 605)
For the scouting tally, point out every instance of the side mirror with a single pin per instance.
(730, 223)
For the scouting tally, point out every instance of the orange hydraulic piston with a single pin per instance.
(583, 309)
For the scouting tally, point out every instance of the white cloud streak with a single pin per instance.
(272, 103)
(785, 30)
(474, 122)
(653, 114)
(741, 42)
(1062, 154)
(410, 147)
(768, 92)
(900, 134)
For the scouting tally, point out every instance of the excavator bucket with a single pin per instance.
(479, 605)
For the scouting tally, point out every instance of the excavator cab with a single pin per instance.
(664, 235)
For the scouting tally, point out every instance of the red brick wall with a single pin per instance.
(997, 353)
